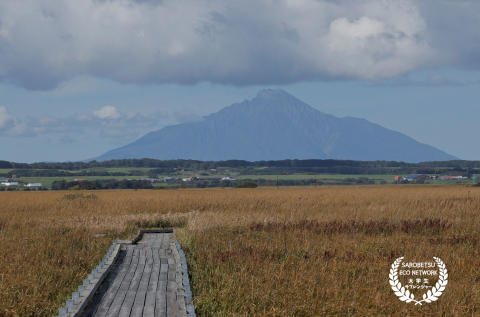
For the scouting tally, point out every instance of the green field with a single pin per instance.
(47, 181)
(325, 178)
(321, 177)
(338, 177)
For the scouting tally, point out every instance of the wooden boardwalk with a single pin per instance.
(148, 283)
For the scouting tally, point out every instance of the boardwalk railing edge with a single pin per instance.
(80, 299)
(185, 279)
(75, 306)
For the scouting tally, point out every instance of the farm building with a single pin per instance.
(414, 177)
(447, 177)
(194, 178)
(398, 178)
(230, 177)
(34, 185)
(169, 178)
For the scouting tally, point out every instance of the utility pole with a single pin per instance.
(277, 181)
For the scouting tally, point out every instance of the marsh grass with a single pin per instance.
(252, 252)
(328, 252)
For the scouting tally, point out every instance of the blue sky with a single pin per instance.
(80, 78)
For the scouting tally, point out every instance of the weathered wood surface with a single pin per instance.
(146, 285)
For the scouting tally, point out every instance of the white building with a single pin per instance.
(229, 178)
(10, 184)
(34, 185)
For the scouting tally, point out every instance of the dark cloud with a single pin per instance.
(250, 42)
(454, 31)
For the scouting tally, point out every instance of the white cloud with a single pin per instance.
(107, 112)
(369, 48)
(6, 119)
(109, 122)
(20, 129)
(248, 42)
(12, 126)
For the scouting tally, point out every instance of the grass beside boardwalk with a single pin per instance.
(324, 252)
(289, 252)
(52, 240)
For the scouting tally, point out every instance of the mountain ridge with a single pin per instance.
(275, 125)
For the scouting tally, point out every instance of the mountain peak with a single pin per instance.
(273, 126)
(270, 93)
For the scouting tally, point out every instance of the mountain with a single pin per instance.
(272, 126)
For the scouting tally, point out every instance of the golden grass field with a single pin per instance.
(323, 251)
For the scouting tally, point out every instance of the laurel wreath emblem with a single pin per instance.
(405, 295)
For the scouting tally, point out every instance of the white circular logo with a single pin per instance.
(402, 291)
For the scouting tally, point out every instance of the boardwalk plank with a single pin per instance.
(106, 300)
(118, 299)
(148, 284)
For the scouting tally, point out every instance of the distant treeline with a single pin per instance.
(311, 182)
(246, 167)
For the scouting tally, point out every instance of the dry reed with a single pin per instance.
(264, 252)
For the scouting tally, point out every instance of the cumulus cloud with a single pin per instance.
(382, 49)
(107, 112)
(246, 42)
(12, 126)
(20, 129)
(6, 119)
(108, 121)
